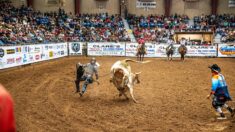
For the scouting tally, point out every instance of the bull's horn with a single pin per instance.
(144, 62)
(138, 73)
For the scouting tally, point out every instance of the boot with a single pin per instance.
(81, 93)
(77, 86)
(231, 111)
(222, 117)
(77, 91)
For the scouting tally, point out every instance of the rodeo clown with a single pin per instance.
(220, 92)
(89, 70)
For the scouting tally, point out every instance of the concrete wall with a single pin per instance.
(159, 10)
(178, 6)
(18, 3)
(42, 6)
(223, 7)
(112, 7)
(90, 6)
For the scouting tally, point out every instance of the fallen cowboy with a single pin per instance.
(85, 73)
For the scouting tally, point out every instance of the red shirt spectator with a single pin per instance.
(7, 120)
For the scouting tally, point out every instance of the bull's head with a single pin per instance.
(135, 77)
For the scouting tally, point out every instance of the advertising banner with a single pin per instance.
(11, 56)
(106, 49)
(226, 50)
(75, 48)
(161, 50)
(200, 51)
(131, 49)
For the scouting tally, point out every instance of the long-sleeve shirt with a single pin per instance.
(91, 69)
(219, 86)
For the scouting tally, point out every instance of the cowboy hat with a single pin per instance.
(215, 68)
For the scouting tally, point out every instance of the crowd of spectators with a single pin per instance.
(97, 28)
(24, 25)
(223, 25)
(157, 28)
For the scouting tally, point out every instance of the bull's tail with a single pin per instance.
(141, 62)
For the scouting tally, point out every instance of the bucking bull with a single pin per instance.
(123, 79)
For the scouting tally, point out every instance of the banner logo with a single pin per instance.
(11, 51)
(75, 47)
(1, 53)
(227, 50)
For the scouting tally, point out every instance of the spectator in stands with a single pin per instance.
(23, 25)
(156, 28)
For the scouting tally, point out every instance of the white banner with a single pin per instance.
(75, 48)
(201, 51)
(161, 50)
(11, 56)
(226, 50)
(106, 49)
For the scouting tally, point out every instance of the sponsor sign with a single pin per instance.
(131, 49)
(106, 49)
(18, 50)
(19, 60)
(226, 50)
(10, 51)
(1, 53)
(201, 51)
(51, 54)
(75, 48)
(10, 60)
(11, 56)
(159, 50)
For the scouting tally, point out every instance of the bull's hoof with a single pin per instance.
(135, 101)
(111, 80)
(80, 94)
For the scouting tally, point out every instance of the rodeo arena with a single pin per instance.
(117, 65)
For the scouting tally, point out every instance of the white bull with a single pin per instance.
(122, 77)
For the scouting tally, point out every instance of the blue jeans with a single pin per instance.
(88, 80)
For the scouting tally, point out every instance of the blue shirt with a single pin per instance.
(219, 86)
(218, 81)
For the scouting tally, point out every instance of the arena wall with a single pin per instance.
(18, 3)
(159, 10)
(223, 7)
(179, 7)
(91, 7)
(42, 6)
(112, 7)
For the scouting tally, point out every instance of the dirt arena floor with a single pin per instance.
(171, 96)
